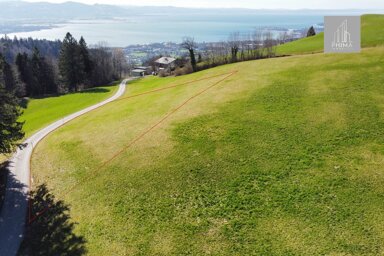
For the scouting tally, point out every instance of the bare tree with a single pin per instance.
(284, 37)
(190, 45)
(120, 63)
(103, 64)
(222, 52)
(257, 44)
(245, 47)
(234, 44)
(269, 44)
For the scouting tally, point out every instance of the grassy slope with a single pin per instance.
(273, 161)
(41, 112)
(372, 35)
(303, 46)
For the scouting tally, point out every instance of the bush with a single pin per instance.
(187, 69)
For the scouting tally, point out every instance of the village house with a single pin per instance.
(166, 64)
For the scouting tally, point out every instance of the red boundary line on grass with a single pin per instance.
(139, 137)
(170, 87)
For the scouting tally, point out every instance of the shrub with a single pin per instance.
(187, 69)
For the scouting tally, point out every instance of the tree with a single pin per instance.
(234, 44)
(6, 75)
(71, 65)
(103, 71)
(36, 73)
(43, 77)
(257, 39)
(10, 128)
(269, 44)
(311, 32)
(120, 63)
(190, 45)
(84, 57)
(23, 70)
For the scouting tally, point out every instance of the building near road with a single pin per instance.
(141, 71)
(165, 64)
(137, 72)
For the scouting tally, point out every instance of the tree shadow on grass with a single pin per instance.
(95, 90)
(52, 233)
(90, 90)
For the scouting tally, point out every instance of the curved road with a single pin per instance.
(14, 210)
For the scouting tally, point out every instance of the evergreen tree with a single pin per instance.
(10, 129)
(37, 88)
(43, 75)
(70, 64)
(48, 77)
(24, 74)
(6, 75)
(36, 73)
(85, 58)
(311, 32)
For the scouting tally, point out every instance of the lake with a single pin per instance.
(143, 29)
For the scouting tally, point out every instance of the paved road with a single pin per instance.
(14, 211)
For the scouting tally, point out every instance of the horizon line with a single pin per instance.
(201, 7)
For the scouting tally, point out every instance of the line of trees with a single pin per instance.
(11, 47)
(81, 67)
(75, 65)
(71, 67)
(10, 128)
(37, 72)
(36, 75)
(238, 47)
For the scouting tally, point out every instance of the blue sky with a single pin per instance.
(257, 4)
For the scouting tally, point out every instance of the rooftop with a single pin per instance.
(165, 60)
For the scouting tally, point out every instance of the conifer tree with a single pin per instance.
(24, 74)
(70, 64)
(311, 32)
(10, 128)
(43, 79)
(85, 58)
(6, 75)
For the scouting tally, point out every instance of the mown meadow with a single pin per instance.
(284, 157)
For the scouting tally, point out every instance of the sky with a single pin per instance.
(255, 4)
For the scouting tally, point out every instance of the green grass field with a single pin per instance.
(283, 158)
(41, 112)
(372, 34)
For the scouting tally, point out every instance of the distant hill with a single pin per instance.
(63, 11)
(20, 10)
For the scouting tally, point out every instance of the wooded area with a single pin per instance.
(34, 68)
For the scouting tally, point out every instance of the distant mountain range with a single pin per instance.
(20, 10)
(19, 16)
(64, 11)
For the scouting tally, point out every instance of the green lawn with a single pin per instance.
(372, 34)
(41, 112)
(283, 158)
